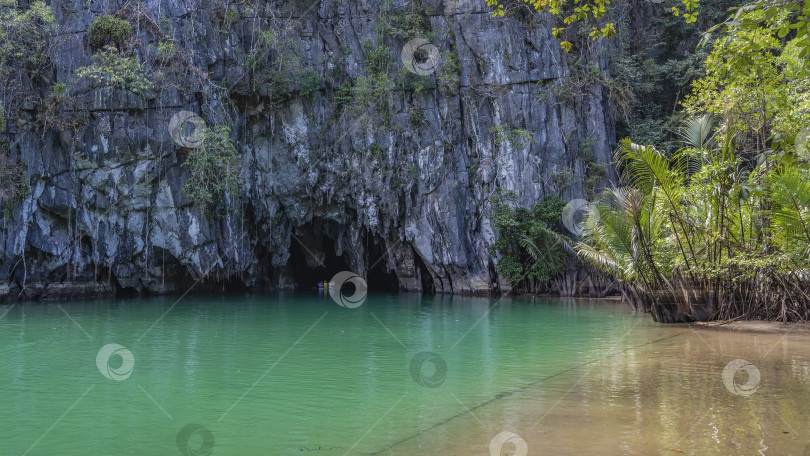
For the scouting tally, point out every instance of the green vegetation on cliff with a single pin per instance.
(24, 35)
(527, 249)
(214, 170)
(108, 30)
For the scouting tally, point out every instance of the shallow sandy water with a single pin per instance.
(661, 393)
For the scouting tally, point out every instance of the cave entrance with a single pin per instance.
(313, 260)
(378, 278)
(428, 287)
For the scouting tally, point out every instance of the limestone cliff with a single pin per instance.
(323, 187)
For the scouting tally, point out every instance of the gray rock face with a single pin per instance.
(320, 185)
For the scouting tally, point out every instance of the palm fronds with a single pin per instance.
(705, 239)
(790, 192)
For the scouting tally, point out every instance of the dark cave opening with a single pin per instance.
(124, 292)
(313, 259)
(310, 263)
(428, 287)
(378, 278)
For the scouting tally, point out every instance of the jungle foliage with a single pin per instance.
(718, 229)
(528, 252)
(590, 16)
(712, 220)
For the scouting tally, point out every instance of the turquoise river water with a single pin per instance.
(296, 374)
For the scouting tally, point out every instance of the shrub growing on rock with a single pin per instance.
(108, 29)
(214, 169)
(111, 69)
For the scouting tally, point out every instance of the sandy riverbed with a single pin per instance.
(758, 326)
